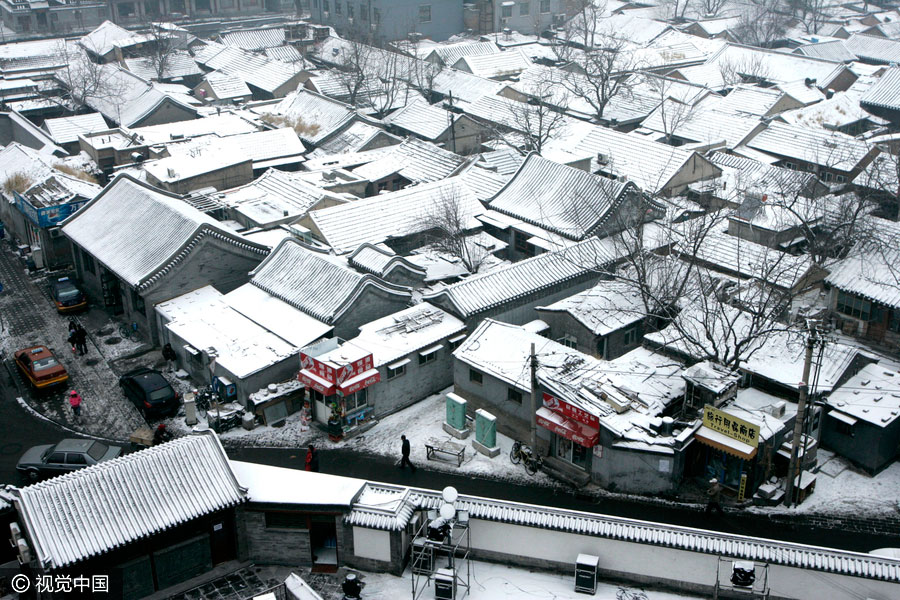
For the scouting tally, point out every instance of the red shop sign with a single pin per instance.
(570, 411)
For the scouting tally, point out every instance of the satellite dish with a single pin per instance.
(448, 511)
(450, 494)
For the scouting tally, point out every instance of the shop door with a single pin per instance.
(112, 294)
(323, 542)
(221, 541)
(569, 451)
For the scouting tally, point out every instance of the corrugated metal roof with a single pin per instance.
(94, 510)
(561, 199)
(254, 39)
(482, 292)
(395, 214)
(113, 228)
(885, 93)
(65, 130)
(312, 282)
(829, 149)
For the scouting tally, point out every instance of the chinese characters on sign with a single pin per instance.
(327, 379)
(569, 411)
(733, 427)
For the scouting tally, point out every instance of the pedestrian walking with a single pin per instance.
(73, 328)
(312, 459)
(715, 496)
(404, 450)
(75, 403)
(73, 325)
(168, 353)
(80, 336)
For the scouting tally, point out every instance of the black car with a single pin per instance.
(67, 296)
(150, 392)
(68, 455)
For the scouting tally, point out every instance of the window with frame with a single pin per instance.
(137, 302)
(841, 179)
(476, 376)
(424, 359)
(395, 373)
(630, 336)
(524, 9)
(853, 306)
(790, 165)
(338, 8)
(520, 241)
(568, 340)
(279, 520)
(350, 14)
(514, 395)
(325, 6)
(356, 401)
(376, 16)
(545, 7)
(505, 12)
(424, 13)
(453, 345)
(828, 176)
(363, 12)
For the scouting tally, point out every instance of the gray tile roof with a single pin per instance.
(226, 87)
(313, 282)
(872, 48)
(353, 138)
(834, 50)
(254, 39)
(135, 97)
(606, 307)
(885, 93)
(450, 53)
(416, 160)
(501, 64)
(377, 261)
(321, 113)
(89, 512)
(178, 64)
(872, 273)
(113, 227)
(558, 198)
(464, 86)
(258, 71)
(427, 121)
(828, 149)
(482, 292)
(65, 130)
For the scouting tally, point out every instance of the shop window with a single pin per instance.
(424, 13)
(137, 302)
(630, 336)
(568, 341)
(395, 373)
(853, 306)
(545, 7)
(356, 401)
(424, 359)
(524, 9)
(279, 520)
(475, 376)
(514, 395)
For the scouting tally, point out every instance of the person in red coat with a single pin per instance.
(312, 459)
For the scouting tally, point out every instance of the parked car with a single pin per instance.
(150, 392)
(40, 367)
(66, 456)
(67, 296)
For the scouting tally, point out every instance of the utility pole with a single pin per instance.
(795, 463)
(532, 361)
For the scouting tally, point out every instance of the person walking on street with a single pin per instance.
(80, 336)
(404, 449)
(312, 459)
(168, 353)
(75, 403)
(715, 496)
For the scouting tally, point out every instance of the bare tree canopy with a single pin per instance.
(447, 226)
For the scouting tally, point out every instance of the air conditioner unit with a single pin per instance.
(559, 19)
(602, 158)
(55, 233)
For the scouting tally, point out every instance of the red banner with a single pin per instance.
(355, 386)
(315, 384)
(357, 367)
(570, 430)
(328, 378)
(317, 367)
(570, 411)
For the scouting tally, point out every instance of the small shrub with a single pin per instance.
(73, 172)
(298, 125)
(17, 182)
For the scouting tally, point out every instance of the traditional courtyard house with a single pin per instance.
(883, 98)
(37, 197)
(356, 135)
(597, 420)
(383, 263)
(220, 88)
(216, 337)
(865, 295)
(832, 156)
(267, 79)
(317, 284)
(862, 422)
(394, 362)
(457, 133)
(154, 534)
(546, 206)
(605, 321)
(511, 293)
(65, 130)
(446, 55)
(130, 266)
(411, 163)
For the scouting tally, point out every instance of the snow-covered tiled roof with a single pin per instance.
(829, 149)
(801, 92)
(463, 86)
(287, 54)
(561, 199)
(776, 67)
(703, 123)
(321, 114)
(91, 511)
(382, 506)
(416, 160)
(380, 262)
(178, 64)
(409, 330)
(833, 50)
(749, 99)
(427, 121)
(313, 282)
(226, 87)
(505, 161)
(873, 48)
(274, 197)
(841, 110)
(113, 228)
(65, 130)
(286, 321)
(265, 148)
(751, 260)
(748, 175)
(885, 93)
(872, 395)
(254, 39)
(494, 65)
(47, 186)
(222, 125)
(604, 308)
(353, 137)
(257, 71)
(871, 270)
(483, 292)
(449, 54)
(105, 37)
(395, 214)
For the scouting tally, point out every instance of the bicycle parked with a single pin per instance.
(128, 332)
(522, 453)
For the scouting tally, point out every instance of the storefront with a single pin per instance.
(573, 431)
(730, 446)
(337, 389)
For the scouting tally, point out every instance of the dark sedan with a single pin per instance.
(64, 457)
(67, 296)
(150, 392)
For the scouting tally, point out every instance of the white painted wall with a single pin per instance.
(372, 543)
(660, 563)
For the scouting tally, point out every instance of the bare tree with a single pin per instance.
(761, 24)
(159, 49)
(751, 68)
(82, 79)
(711, 8)
(674, 10)
(534, 123)
(447, 226)
(673, 113)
